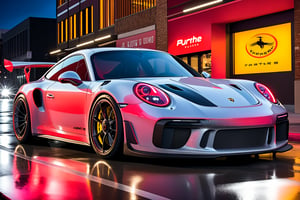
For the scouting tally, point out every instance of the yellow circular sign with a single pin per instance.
(261, 45)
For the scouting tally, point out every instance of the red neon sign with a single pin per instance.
(189, 42)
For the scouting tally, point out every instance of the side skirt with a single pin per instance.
(62, 139)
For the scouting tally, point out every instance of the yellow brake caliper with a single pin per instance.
(99, 129)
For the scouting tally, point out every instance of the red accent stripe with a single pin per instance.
(10, 65)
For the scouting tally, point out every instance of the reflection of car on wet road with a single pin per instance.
(145, 102)
(229, 178)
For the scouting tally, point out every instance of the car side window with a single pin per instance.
(75, 63)
(54, 70)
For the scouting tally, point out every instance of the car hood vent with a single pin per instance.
(174, 87)
(188, 94)
(235, 86)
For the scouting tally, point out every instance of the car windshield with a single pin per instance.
(138, 63)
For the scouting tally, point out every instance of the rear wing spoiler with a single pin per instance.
(27, 66)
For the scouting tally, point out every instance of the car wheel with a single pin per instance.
(105, 127)
(21, 120)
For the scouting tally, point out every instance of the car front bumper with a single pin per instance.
(210, 137)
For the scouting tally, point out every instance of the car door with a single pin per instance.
(65, 102)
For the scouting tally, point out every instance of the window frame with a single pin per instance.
(62, 65)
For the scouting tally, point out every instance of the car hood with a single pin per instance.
(209, 92)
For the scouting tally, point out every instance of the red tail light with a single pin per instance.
(151, 95)
(266, 92)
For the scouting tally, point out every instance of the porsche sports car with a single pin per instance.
(148, 103)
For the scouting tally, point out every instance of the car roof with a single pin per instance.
(91, 51)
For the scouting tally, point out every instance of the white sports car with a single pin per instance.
(148, 103)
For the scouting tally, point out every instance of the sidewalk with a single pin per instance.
(294, 119)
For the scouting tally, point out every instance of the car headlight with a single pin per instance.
(151, 95)
(266, 92)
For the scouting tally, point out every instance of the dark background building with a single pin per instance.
(3, 72)
(31, 40)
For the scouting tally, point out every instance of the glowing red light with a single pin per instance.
(266, 92)
(8, 65)
(151, 95)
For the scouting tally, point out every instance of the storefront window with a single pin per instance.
(199, 61)
(195, 62)
(185, 59)
(206, 62)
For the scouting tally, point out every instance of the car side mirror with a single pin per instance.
(205, 74)
(70, 77)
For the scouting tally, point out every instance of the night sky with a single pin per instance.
(13, 12)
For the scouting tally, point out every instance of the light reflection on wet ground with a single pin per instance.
(46, 169)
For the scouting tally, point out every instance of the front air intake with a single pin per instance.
(282, 128)
(173, 134)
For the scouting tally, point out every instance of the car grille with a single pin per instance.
(241, 138)
(174, 134)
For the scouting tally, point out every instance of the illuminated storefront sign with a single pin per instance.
(263, 50)
(261, 45)
(189, 42)
(142, 40)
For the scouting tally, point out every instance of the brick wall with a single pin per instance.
(135, 21)
(297, 38)
(155, 16)
(297, 54)
(161, 25)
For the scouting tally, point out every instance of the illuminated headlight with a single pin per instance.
(5, 92)
(151, 94)
(266, 92)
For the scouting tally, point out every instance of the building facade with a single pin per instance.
(246, 39)
(113, 23)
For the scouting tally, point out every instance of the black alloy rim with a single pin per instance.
(20, 118)
(104, 126)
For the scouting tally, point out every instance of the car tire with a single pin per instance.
(106, 127)
(21, 120)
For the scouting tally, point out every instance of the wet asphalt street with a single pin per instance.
(48, 169)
